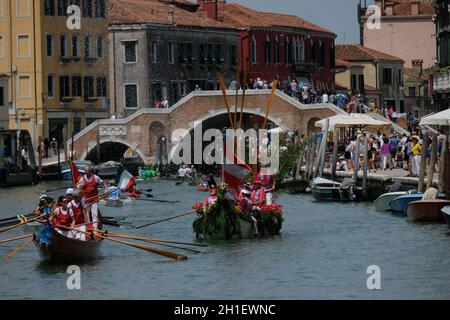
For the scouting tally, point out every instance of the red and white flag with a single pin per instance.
(75, 173)
(126, 180)
(234, 173)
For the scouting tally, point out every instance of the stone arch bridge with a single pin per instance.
(142, 129)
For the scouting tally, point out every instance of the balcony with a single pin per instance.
(302, 67)
(89, 60)
(441, 81)
(64, 60)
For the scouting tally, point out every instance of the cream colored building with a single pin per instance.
(406, 31)
(56, 76)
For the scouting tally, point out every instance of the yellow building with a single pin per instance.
(57, 74)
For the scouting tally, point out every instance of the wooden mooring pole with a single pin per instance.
(430, 173)
(423, 162)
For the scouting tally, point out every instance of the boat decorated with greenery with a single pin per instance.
(221, 218)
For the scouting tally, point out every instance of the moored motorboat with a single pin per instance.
(66, 173)
(446, 213)
(53, 246)
(329, 190)
(382, 202)
(108, 169)
(427, 210)
(401, 203)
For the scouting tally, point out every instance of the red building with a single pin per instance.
(278, 45)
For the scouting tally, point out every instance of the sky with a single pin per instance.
(339, 16)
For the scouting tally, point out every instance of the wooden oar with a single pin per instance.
(170, 218)
(151, 241)
(16, 238)
(157, 200)
(15, 218)
(156, 240)
(9, 255)
(168, 254)
(53, 190)
(22, 223)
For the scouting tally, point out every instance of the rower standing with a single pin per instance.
(258, 195)
(268, 183)
(89, 184)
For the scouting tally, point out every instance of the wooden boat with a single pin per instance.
(446, 213)
(401, 203)
(60, 248)
(66, 173)
(328, 190)
(108, 169)
(427, 210)
(382, 202)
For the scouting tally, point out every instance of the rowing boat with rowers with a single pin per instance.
(56, 247)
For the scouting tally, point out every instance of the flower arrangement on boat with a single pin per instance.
(220, 217)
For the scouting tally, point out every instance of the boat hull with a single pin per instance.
(427, 210)
(446, 213)
(382, 202)
(401, 203)
(64, 249)
(335, 194)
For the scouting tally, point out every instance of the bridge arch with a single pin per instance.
(91, 146)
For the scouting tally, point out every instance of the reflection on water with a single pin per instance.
(323, 252)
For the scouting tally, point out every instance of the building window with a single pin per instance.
(87, 8)
(332, 56)
(154, 52)
(203, 53)
(24, 87)
(49, 7)
(400, 77)
(75, 46)
(219, 54)
(210, 53)
(100, 8)
(268, 51)
(322, 54)
(353, 83)
(49, 39)
(101, 87)
(254, 50)
(302, 50)
(361, 84)
(2, 96)
(130, 51)
(22, 8)
(289, 50)
(64, 87)
(88, 88)
(387, 76)
(23, 46)
(99, 47)
(62, 7)
(87, 46)
(2, 47)
(170, 53)
(412, 91)
(76, 86)
(131, 96)
(277, 50)
(62, 45)
(50, 86)
(233, 55)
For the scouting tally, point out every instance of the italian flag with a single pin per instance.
(234, 172)
(75, 173)
(126, 180)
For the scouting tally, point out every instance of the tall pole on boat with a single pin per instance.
(98, 148)
(64, 141)
(59, 160)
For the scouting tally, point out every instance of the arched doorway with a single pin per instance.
(312, 126)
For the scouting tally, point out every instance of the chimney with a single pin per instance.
(389, 8)
(415, 7)
(417, 66)
(210, 7)
(170, 16)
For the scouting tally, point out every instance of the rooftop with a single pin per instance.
(356, 52)
(154, 11)
(239, 16)
(404, 8)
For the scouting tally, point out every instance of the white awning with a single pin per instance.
(438, 119)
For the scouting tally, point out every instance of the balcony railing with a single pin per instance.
(304, 66)
(441, 81)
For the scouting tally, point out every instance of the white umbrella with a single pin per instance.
(438, 119)
(353, 120)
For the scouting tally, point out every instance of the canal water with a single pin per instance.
(323, 253)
